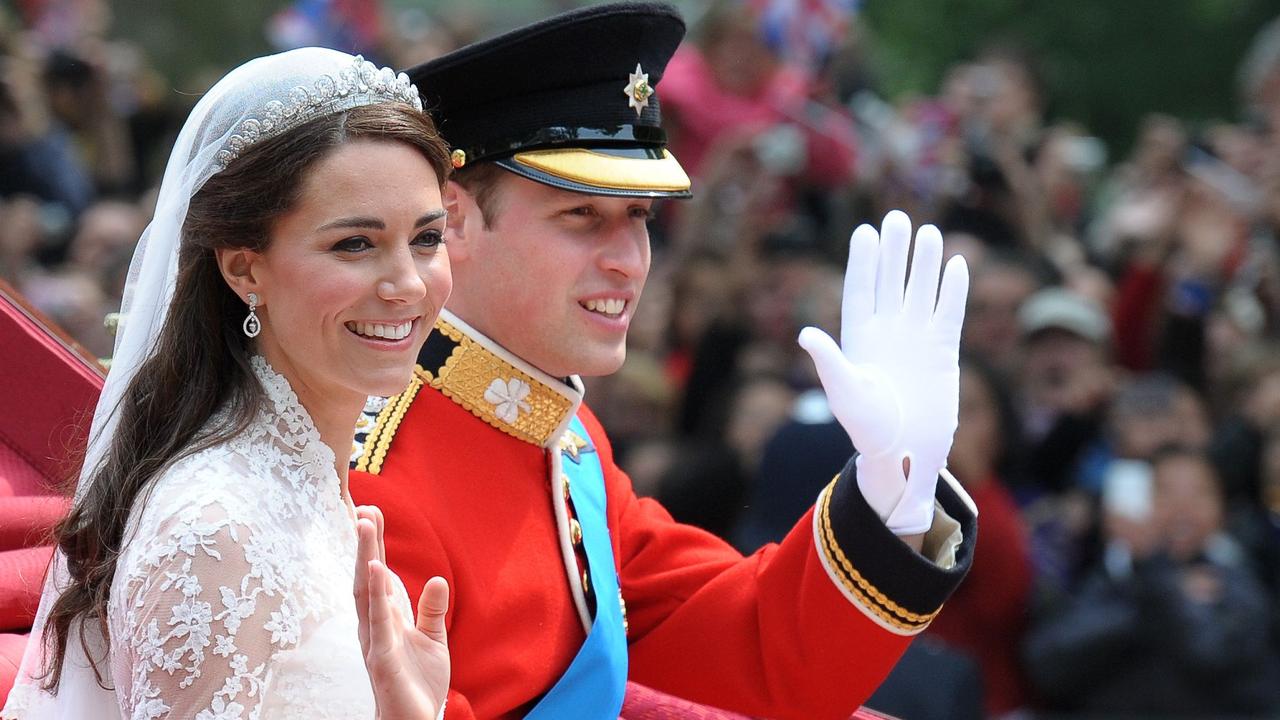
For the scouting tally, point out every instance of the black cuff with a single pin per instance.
(895, 584)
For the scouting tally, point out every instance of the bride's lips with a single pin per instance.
(385, 334)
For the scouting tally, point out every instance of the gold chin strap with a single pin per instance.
(609, 171)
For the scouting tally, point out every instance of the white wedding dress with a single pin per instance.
(233, 595)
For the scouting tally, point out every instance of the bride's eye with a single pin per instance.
(355, 244)
(429, 239)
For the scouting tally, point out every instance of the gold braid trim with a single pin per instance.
(856, 584)
(468, 373)
(370, 438)
(378, 442)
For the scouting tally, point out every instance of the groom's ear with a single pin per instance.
(237, 266)
(463, 217)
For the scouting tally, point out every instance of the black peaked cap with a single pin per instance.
(559, 84)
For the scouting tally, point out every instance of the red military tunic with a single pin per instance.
(462, 466)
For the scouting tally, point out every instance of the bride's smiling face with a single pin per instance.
(355, 274)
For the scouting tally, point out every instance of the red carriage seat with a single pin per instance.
(49, 386)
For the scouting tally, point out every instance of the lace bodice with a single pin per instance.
(233, 596)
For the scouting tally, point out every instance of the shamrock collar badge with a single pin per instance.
(638, 90)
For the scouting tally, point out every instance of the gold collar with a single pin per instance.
(495, 385)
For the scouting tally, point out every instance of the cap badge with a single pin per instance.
(458, 158)
(638, 90)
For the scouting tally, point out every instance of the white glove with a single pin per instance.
(895, 385)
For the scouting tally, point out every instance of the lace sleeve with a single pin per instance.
(206, 614)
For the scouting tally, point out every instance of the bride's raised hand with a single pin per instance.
(408, 662)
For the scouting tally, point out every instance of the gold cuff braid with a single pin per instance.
(854, 582)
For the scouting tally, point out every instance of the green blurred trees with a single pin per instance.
(193, 42)
(1105, 63)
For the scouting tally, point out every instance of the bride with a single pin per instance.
(294, 266)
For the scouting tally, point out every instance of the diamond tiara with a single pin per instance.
(360, 83)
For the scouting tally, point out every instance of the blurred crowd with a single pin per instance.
(1120, 380)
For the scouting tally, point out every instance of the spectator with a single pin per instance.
(1251, 410)
(1147, 413)
(78, 87)
(998, 287)
(987, 615)
(799, 460)
(38, 158)
(1168, 623)
(104, 240)
(1065, 382)
(729, 82)
(22, 233)
(1256, 525)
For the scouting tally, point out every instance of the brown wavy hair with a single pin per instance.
(201, 361)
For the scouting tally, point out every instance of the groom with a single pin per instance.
(493, 473)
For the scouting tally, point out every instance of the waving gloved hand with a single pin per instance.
(894, 380)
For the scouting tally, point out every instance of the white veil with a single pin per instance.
(263, 98)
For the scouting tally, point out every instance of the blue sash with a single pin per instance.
(594, 683)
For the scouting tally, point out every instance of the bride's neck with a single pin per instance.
(335, 420)
(334, 413)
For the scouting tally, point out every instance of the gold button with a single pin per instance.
(564, 485)
(575, 531)
(586, 584)
(458, 158)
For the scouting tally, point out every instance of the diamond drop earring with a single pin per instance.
(252, 326)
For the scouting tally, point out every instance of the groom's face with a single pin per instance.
(355, 273)
(555, 277)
